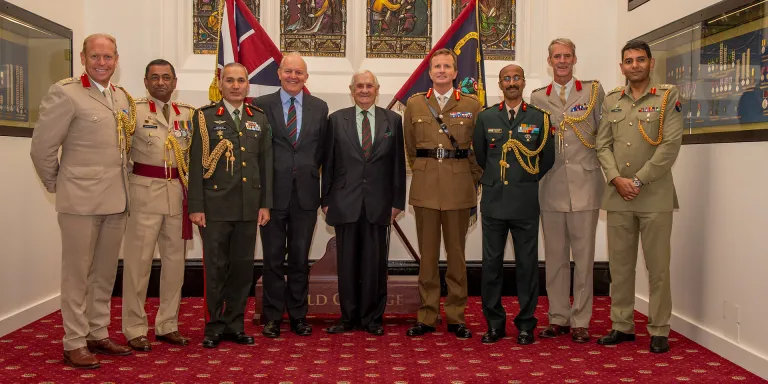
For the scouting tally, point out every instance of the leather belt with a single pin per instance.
(442, 153)
(155, 172)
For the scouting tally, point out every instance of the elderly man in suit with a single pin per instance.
(363, 192)
(445, 174)
(570, 194)
(88, 118)
(230, 194)
(638, 141)
(157, 189)
(513, 144)
(298, 123)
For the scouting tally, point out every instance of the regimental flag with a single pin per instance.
(243, 40)
(463, 38)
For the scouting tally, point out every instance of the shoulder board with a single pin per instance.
(664, 86)
(590, 81)
(417, 94)
(495, 106)
(540, 89)
(617, 89)
(207, 106)
(542, 110)
(141, 100)
(255, 108)
(180, 104)
(470, 95)
(68, 80)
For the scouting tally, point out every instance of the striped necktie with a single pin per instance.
(292, 124)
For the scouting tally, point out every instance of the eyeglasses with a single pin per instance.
(516, 78)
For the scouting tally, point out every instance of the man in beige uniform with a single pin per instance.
(157, 190)
(89, 118)
(637, 143)
(570, 193)
(442, 189)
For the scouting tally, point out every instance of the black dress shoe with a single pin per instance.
(375, 329)
(659, 344)
(271, 329)
(211, 341)
(615, 337)
(461, 331)
(493, 335)
(525, 337)
(419, 330)
(301, 328)
(239, 337)
(340, 328)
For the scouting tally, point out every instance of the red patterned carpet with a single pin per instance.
(33, 355)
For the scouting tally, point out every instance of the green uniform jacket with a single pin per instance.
(237, 193)
(623, 151)
(518, 198)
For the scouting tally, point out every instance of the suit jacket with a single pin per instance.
(153, 195)
(349, 180)
(575, 183)
(623, 151)
(515, 197)
(91, 177)
(237, 190)
(450, 184)
(302, 162)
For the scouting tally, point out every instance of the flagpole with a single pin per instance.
(214, 95)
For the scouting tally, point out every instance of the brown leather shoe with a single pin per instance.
(140, 343)
(580, 335)
(554, 330)
(174, 338)
(81, 358)
(108, 347)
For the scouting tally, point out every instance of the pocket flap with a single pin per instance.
(590, 163)
(84, 172)
(140, 180)
(421, 119)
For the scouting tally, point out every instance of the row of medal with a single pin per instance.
(723, 85)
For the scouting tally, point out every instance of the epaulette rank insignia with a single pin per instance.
(141, 100)
(619, 88)
(68, 80)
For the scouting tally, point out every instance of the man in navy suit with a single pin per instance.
(363, 192)
(298, 122)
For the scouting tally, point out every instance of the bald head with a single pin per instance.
(510, 66)
(292, 73)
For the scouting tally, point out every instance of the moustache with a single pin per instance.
(511, 87)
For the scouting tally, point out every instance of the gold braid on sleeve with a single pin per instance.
(518, 147)
(573, 121)
(210, 159)
(661, 121)
(126, 123)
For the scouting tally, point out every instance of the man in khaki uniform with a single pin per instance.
(570, 194)
(442, 189)
(637, 143)
(88, 118)
(157, 190)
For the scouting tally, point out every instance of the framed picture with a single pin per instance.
(632, 4)
(34, 53)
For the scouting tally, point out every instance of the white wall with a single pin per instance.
(29, 232)
(718, 261)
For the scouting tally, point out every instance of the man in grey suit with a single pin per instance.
(570, 194)
(298, 122)
(90, 119)
(363, 192)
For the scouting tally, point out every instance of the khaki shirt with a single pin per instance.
(624, 151)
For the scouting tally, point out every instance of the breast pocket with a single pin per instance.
(650, 122)
(462, 131)
(423, 127)
(616, 118)
(253, 141)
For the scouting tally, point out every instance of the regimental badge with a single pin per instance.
(678, 106)
(527, 137)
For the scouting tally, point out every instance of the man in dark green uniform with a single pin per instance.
(514, 145)
(230, 193)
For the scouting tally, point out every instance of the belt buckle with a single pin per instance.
(440, 154)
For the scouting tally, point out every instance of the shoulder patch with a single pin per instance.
(540, 89)
(539, 108)
(141, 100)
(68, 80)
(181, 104)
(255, 108)
(617, 89)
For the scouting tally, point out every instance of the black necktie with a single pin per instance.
(511, 115)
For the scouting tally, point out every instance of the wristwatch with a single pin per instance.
(637, 182)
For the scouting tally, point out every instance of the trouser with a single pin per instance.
(624, 231)
(454, 226)
(90, 248)
(566, 234)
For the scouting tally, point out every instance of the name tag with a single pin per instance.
(219, 128)
(616, 110)
(149, 126)
(494, 130)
